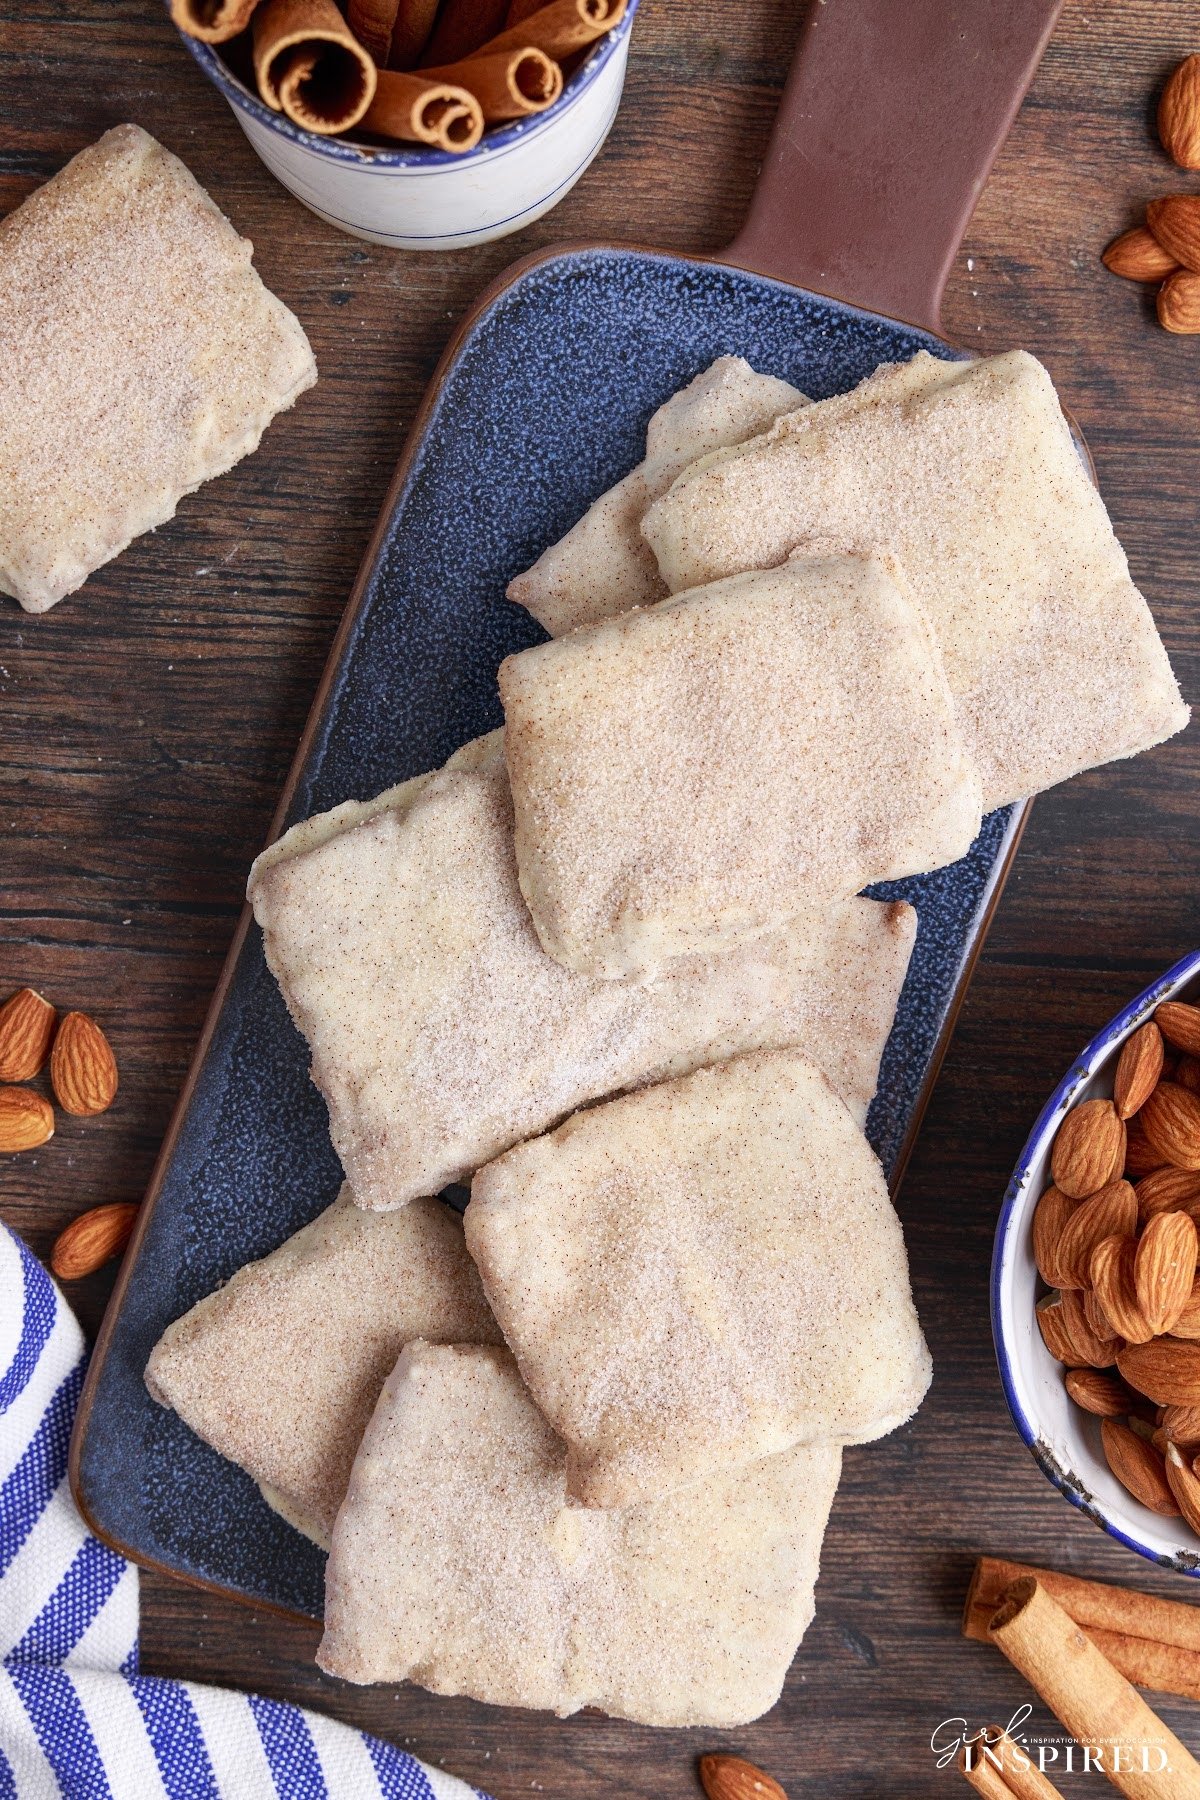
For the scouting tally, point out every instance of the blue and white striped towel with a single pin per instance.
(76, 1718)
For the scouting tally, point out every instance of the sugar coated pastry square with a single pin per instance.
(701, 1274)
(280, 1369)
(457, 1563)
(141, 355)
(441, 1032)
(604, 565)
(967, 471)
(693, 774)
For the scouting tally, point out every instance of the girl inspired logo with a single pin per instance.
(1007, 1747)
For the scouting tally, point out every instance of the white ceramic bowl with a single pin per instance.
(1064, 1439)
(419, 199)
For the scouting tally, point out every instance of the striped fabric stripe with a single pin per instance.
(77, 1720)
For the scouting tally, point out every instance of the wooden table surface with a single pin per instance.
(147, 724)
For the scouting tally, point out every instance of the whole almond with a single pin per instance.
(1052, 1323)
(1050, 1216)
(1187, 1325)
(1138, 1466)
(1179, 114)
(1099, 1393)
(1184, 1486)
(1175, 221)
(1110, 1213)
(1164, 1269)
(26, 1027)
(1187, 1073)
(91, 1240)
(1167, 1190)
(1166, 1370)
(1089, 1150)
(1182, 1424)
(83, 1070)
(1112, 1276)
(26, 1119)
(730, 1778)
(1171, 1120)
(1093, 1349)
(1138, 1069)
(1137, 255)
(1178, 303)
(1180, 1025)
(1141, 1158)
(1098, 1322)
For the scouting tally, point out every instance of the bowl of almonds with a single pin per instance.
(1096, 1278)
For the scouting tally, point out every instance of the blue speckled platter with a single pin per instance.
(540, 404)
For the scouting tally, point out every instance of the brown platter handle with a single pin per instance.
(890, 121)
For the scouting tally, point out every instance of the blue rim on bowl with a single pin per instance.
(347, 150)
(1013, 1212)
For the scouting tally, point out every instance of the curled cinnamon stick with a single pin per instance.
(507, 86)
(561, 28)
(424, 111)
(212, 21)
(372, 22)
(310, 65)
(410, 33)
(1136, 1751)
(462, 27)
(1090, 1603)
(999, 1769)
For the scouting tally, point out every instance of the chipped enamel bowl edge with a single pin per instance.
(1064, 1440)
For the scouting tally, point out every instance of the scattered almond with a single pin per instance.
(1178, 303)
(1138, 1069)
(1164, 1269)
(1166, 1370)
(1050, 1216)
(1166, 1190)
(1184, 1486)
(1089, 1150)
(1052, 1324)
(1112, 1275)
(1137, 255)
(1138, 1466)
(1180, 1025)
(91, 1240)
(1110, 1213)
(26, 1027)
(730, 1778)
(83, 1070)
(1171, 1120)
(1179, 114)
(1175, 221)
(1100, 1393)
(26, 1119)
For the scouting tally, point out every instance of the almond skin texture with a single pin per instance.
(1095, 1350)
(91, 1240)
(1052, 1324)
(1098, 1323)
(1049, 1218)
(1167, 1190)
(729, 1778)
(1105, 1395)
(1164, 1269)
(26, 1027)
(1110, 1213)
(1138, 1466)
(1175, 222)
(1184, 1486)
(1171, 1121)
(1179, 114)
(1141, 1158)
(26, 1119)
(1180, 1025)
(1138, 1069)
(1112, 1275)
(1089, 1150)
(1178, 303)
(1182, 1424)
(83, 1070)
(1167, 1370)
(1187, 1073)
(1187, 1325)
(1137, 255)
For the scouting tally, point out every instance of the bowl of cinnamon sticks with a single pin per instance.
(1096, 1277)
(420, 124)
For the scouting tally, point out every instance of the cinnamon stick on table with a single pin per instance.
(999, 1769)
(1154, 1643)
(420, 110)
(508, 86)
(310, 65)
(212, 21)
(1093, 1700)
